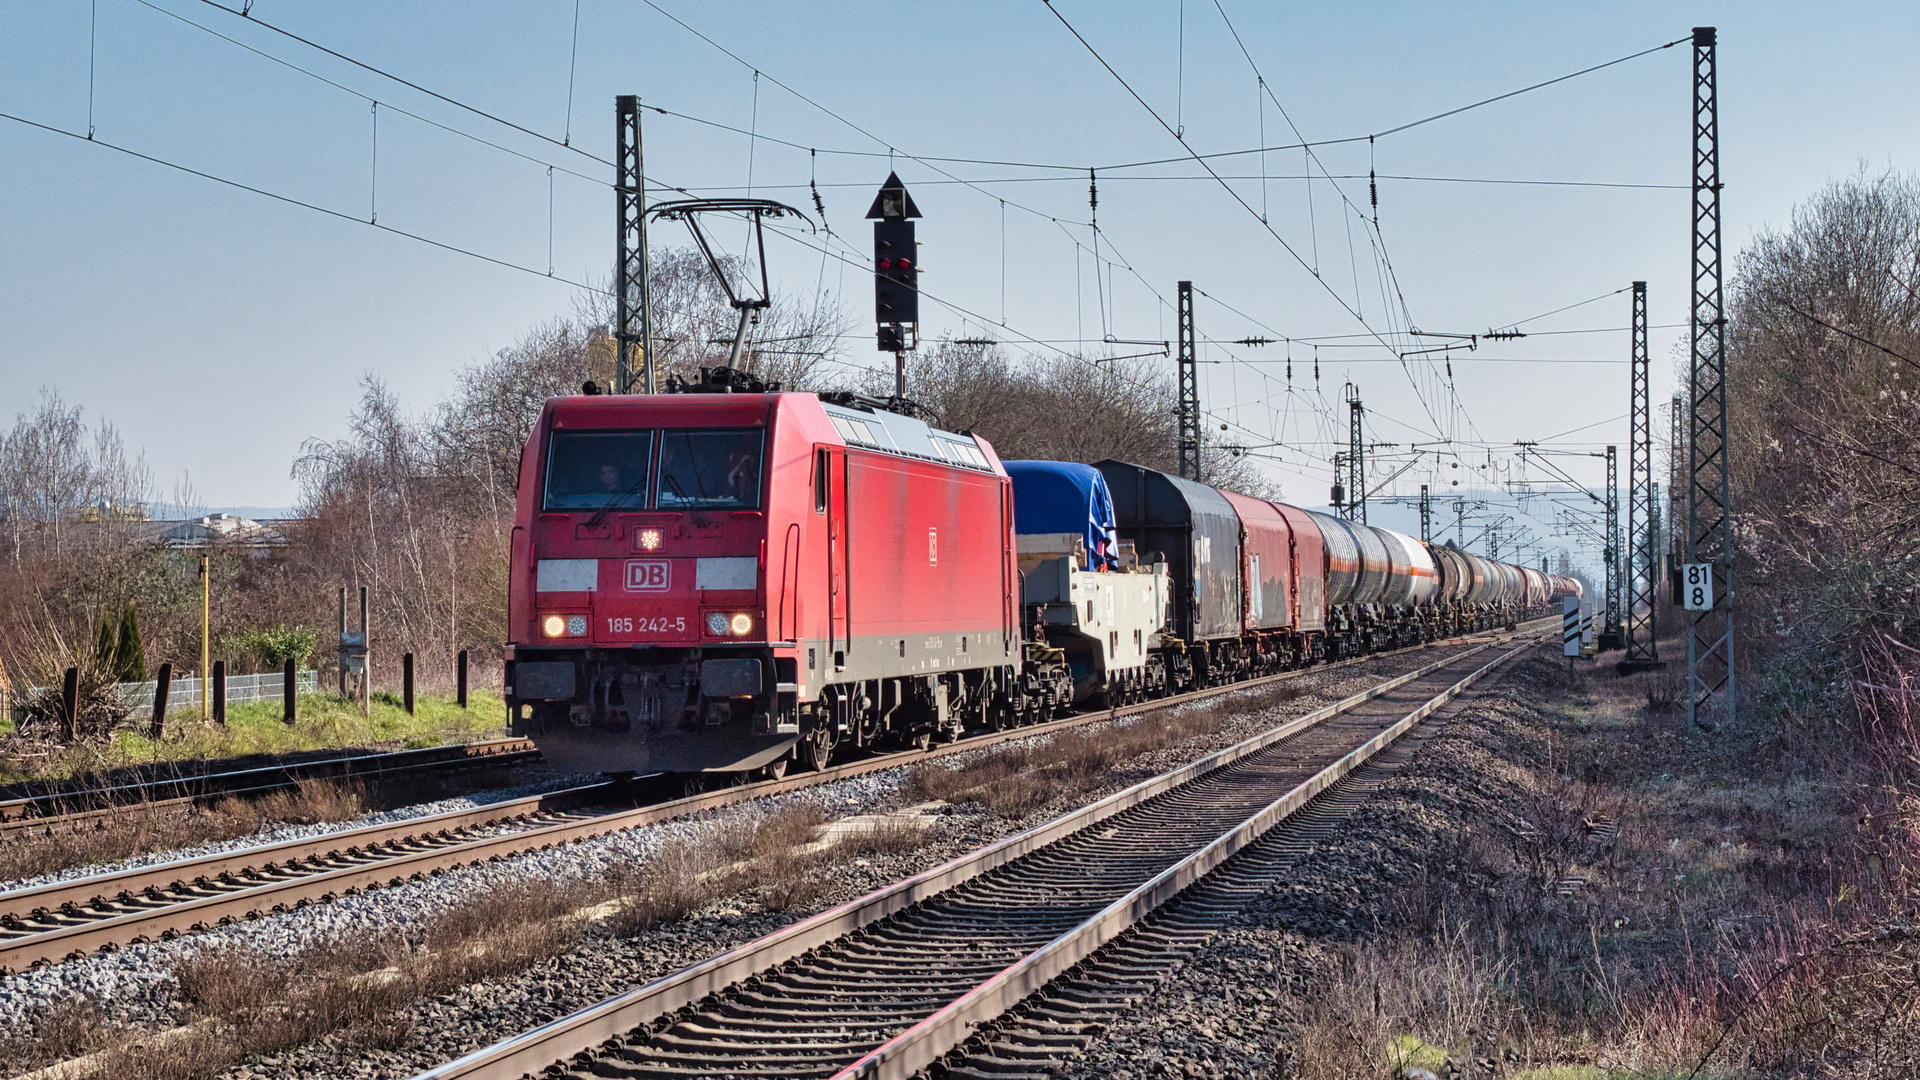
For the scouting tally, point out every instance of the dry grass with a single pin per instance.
(245, 1004)
(767, 855)
(1017, 779)
(144, 829)
(70, 1028)
(1655, 902)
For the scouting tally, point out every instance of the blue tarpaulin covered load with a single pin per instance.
(1054, 497)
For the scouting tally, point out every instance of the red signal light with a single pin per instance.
(886, 264)
(905, 265)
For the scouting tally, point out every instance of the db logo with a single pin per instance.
(649, 575)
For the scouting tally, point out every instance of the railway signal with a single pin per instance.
(896, 275)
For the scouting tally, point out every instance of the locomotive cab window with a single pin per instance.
(821, 462)
(710, 470)
(596, 470)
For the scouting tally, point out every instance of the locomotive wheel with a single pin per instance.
(815, 751)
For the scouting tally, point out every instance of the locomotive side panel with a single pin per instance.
(922, 540)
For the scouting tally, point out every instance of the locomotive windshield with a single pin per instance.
(597, 470)
(710, 470)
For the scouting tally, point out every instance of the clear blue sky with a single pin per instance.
(219, 328)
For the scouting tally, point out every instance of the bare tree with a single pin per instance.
(1824, 430)
(694, 325)
(1065, 408)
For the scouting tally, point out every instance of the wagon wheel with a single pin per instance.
(776, 768)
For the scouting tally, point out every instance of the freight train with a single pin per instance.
(728, 578)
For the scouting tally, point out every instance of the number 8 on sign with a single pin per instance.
(1696, 586)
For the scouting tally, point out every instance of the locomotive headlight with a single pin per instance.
(564, 626)
(742, 623)
(576, 626)
(553, 626)
(716, 624)
(649, 539)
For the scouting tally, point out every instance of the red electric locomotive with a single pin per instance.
(722, 581)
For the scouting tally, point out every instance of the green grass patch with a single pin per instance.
(254, 727)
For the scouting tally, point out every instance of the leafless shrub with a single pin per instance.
(1017, 779)
(743, 852)
(891, 835)
(245, 1003)
(67, 1029)
(1068, 408)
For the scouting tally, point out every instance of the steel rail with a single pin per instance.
(168, 899)
(47, 810)
(102, 889)
(580, 1033)
(933, 1038)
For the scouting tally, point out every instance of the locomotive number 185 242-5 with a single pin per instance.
(662, 624)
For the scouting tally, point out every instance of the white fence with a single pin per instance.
(184, 693)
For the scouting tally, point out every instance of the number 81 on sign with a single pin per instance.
(1696, 586)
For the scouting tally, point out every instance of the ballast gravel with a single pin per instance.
(1229, 1010)
(278, 833)
(135, 986)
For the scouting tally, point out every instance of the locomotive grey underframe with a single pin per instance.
(700, 709)
(709, 708)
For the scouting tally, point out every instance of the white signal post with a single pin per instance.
(1570, 627)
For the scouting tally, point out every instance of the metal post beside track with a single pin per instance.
(163, 685)
(1641, 613)
(70, 705)
(1189, 388)
(1710, 669)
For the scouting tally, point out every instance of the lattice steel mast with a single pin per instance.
(632, 291)
(1610, 626)
(1710, 671)
(1189, 389)
(1641, 617)
(1356, 457)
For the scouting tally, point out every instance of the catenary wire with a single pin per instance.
(290, 200)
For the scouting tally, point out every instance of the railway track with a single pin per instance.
(71, 919)
(890, 984)
(53, 811)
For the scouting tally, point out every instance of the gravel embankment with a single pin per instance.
(1225, 1011)
(136, 988)
(278, 833)
(447, 1027)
